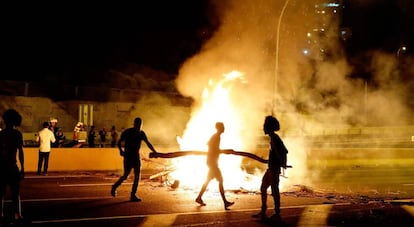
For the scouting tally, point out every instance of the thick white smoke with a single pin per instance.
(310, 95)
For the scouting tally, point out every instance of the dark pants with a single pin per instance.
(91, 143)
(10, 176)
(128, 166)
(43, 159)
(270, 178)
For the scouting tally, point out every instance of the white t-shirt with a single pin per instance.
(45, 137)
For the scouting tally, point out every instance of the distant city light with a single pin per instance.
(331, 4)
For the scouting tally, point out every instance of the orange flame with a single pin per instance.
(216, 105)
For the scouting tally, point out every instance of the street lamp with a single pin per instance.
(402, 49)
(277, 55)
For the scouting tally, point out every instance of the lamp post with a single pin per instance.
(275, 78)
(402, 49)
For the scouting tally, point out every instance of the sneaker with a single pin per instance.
(113, 191)
(227, 204)
(135, 199)
(200, 201)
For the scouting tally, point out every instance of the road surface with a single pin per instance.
(83, 199)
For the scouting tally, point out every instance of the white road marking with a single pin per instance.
(87, 219)
(89, 185)
(153, 219)
(67, 199)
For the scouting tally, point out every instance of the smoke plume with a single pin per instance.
(305, 94)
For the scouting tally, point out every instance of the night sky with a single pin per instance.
(74, 42)
(379, 24)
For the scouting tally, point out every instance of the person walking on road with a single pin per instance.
(132, 138)
(277, 160)
(11, 142)
(214, 170)
(45, 138)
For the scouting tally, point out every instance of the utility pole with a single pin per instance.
(275, 78)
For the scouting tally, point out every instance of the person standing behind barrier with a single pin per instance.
(102, 135)
(11, 141)
(277, 160)
(114, 136)
(91, 136)
(132, 139)
(45, 138)
(60, 138)
(55, 130)
(213, 168)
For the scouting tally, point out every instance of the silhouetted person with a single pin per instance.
(277, 160)
(213, 168)
(45, 138)
(114, 136)
(60, 138)
(11, 141)
(102, 135)
(132, 138)
(55, 129)
(91, 136)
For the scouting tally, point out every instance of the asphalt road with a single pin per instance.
(83, 199)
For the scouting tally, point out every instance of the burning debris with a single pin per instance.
(164, 175)
(228, 151)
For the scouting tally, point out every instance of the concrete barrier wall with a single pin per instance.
(89, 159)
(72, 159)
